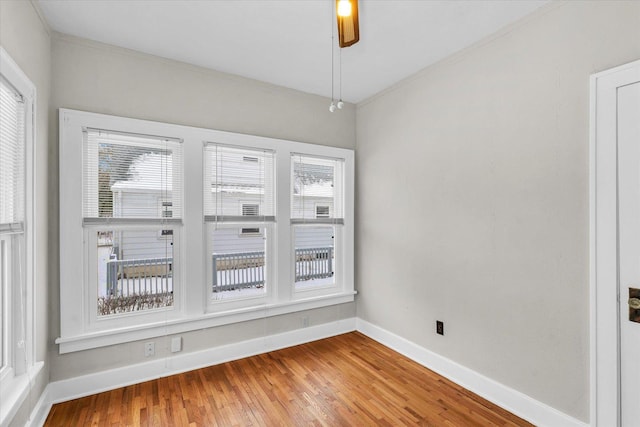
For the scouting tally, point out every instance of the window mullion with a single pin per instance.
(284, 239)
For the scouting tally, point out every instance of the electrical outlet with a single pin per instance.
(305, 322)
(149, 349)
(439, 327)
(176, 344)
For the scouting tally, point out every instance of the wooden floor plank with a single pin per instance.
(340, 381)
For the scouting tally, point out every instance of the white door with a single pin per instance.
(628, 136)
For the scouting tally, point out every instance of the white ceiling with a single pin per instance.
(288, 42)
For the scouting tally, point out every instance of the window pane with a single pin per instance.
(317, 183)
(4, 285)
(314, 256)
(129, 176)
(12, 148)
(237, 262)
(238, 182)
(135, 270)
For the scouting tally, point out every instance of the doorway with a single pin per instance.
(615, 246)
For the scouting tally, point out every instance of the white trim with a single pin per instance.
(16, 385)
(14, 392)
(209, 320)
(41, 410)
(73, 388)
(512, 400)
(603, 280)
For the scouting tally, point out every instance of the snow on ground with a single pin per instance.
(256, 292)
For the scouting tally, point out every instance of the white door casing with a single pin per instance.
(615, 263)
(629, 247)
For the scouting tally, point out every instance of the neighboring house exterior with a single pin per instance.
(144, 194)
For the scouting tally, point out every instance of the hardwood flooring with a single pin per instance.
(348, 380)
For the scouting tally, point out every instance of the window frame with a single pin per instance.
(194, 312)
(15, 377)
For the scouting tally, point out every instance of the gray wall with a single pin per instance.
(487, 157)
(105, 79)
(26, 38)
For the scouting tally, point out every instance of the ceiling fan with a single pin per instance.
(348, 28)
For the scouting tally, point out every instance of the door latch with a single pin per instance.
(634, 305)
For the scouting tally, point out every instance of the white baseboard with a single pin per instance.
(41, 410)
(512, 400)
(73, 388)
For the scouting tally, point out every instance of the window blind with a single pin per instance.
(239, 184)
(131, 176)
(317, 182)
(12, 160)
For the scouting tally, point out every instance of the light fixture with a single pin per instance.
(346, 13)
(344, 8)
(348, 28)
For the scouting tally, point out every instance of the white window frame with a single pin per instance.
(78, 269)
(194, 312)
(21, 367)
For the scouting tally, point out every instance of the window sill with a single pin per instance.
(194, 322)
(14, 390)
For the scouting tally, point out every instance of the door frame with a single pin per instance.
(603, 244)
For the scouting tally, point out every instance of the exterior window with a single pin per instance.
(17, 99)
(165, 207)
(322, 211)
(250, 209)
(244, 177)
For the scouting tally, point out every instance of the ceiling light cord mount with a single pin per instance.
(346, 14)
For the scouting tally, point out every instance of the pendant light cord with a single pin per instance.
(340, 61)
(332, 50)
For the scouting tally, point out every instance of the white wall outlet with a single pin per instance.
(176, 344)
(149, 349)
(305, 322)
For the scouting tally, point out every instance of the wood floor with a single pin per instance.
(348, 380)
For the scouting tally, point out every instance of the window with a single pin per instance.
(322, 211)
(17, 236)
(12, 226)
(165, 207)
(155, 216)
(316, 216)
(250, 209)
(239, 264)
(317, 184)
(126, 178)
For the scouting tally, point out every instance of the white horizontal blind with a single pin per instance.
(317, 190)
(12, 152)
(239, 184)
(131, 176)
